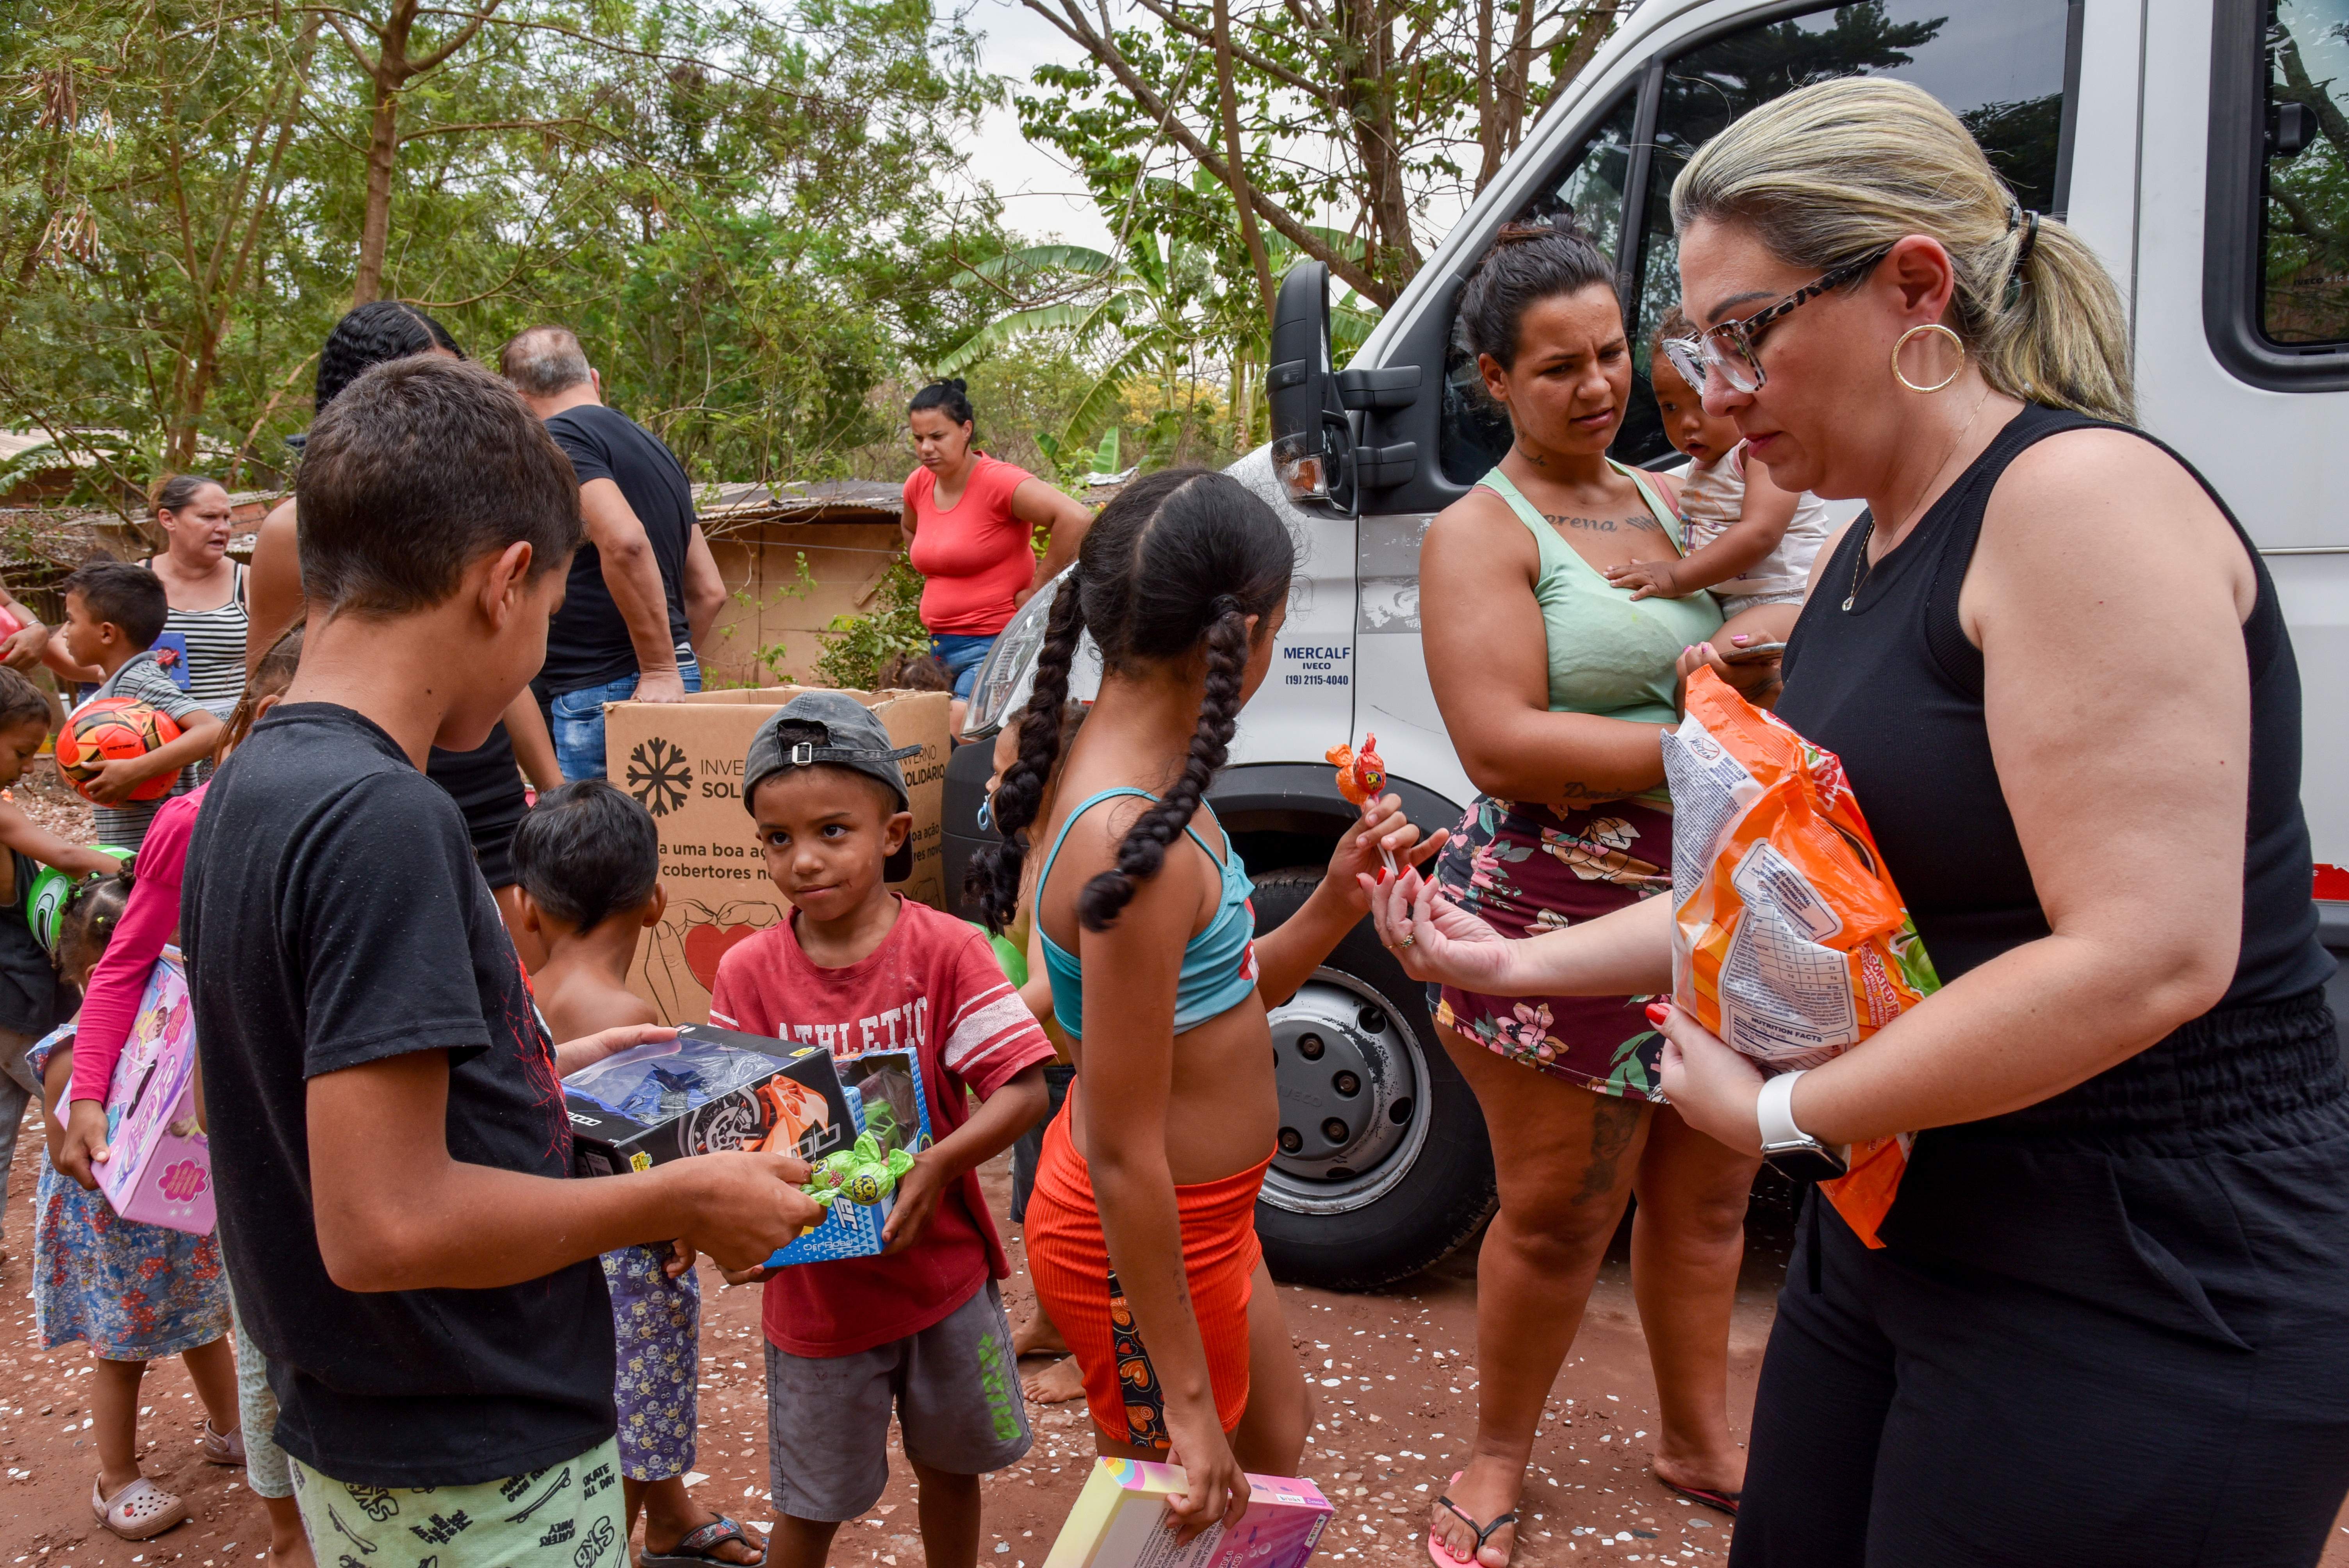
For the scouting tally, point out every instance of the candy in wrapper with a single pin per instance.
(1789, 940)
(1361, 774)
(867, 1171)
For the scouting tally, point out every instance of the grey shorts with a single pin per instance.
(955, 1390)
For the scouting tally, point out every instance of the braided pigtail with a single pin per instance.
(994, 871)
(1143, 849)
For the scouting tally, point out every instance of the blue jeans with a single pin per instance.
(577, 718)
(962, 656)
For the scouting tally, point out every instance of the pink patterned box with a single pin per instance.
(160, 1170)
(1121, 1520)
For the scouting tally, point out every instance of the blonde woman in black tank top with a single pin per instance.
(2110, 1322)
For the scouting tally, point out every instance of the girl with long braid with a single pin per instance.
(1140, 1232)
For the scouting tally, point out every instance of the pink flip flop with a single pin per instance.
(1436, 1552)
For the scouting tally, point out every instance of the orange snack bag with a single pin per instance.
(1789, 940)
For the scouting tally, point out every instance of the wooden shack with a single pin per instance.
(846, 533)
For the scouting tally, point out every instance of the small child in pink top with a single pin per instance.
(149, 921)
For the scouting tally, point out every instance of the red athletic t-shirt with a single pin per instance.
(975, 553)
(934, 981)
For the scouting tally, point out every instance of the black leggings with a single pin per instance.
(2113, 1328)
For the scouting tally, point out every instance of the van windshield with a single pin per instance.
(1999, 64)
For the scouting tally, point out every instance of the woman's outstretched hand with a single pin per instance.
(1713, 1087)
(1434, 939)
(1382, 827)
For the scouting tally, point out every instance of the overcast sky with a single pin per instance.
(1042, 197)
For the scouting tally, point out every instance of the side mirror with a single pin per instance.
(1312, 442)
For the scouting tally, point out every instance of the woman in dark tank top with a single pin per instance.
(2109, 1322)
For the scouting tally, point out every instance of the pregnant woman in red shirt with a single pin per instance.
(969, 519)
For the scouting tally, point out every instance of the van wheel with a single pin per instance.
(1383, 1166)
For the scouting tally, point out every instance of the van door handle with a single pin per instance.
(1383, 468)
(1396, 387)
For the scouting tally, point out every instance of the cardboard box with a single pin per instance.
(1121, 1520)
(875, 1078)
(684, 761)
(708, 1091)
(160, 1172)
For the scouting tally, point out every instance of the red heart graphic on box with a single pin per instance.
(705, 945)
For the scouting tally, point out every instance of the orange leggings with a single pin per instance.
(1068, 1258)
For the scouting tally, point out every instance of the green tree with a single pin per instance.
(741, 208)
(1334, 123)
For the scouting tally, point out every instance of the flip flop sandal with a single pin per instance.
(223, 1448)
(1719, 1502)
(698, 1548)
(138, 1512)
(1436, 1549)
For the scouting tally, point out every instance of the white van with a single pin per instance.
(2200, 146)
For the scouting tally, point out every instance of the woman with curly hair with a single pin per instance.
(485, 782)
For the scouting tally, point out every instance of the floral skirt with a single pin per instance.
(131, 1292)
(657, 1325)
(1527, 868)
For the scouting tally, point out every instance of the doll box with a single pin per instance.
(708, 1091)
(160, 1170)
(1121, 1520)
(884, 1090)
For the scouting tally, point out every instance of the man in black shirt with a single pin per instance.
(645, 588)
(388, 1128)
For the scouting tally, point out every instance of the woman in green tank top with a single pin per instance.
(1554, 687)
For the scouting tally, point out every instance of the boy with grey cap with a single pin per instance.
(920, 1329)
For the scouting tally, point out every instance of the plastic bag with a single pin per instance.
(662, 1080)
(1789, 940)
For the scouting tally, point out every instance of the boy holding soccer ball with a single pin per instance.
(114, 612)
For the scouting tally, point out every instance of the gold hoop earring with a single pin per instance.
(1958, 342)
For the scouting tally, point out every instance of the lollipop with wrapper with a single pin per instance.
(862, 1173)
(1362, 774)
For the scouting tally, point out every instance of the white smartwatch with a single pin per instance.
(1793, 1152)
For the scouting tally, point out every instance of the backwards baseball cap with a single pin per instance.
(832, 728)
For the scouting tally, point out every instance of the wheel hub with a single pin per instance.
(1351, 1096)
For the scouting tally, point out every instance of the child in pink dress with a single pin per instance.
(151, 920)
(131, 1292)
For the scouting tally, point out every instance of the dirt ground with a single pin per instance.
(1393, 1371)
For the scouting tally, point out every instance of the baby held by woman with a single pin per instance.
(1748, 541)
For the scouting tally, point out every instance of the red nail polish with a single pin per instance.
(1658, 1012)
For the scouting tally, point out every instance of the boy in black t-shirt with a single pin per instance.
(388, 1130)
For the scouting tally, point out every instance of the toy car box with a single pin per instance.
(161, 1170)
(708, 1091)
(884, 1093)
(1121, 1520)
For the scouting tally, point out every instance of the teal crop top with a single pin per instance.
(1218, 964)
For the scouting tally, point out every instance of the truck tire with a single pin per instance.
(1382, 1166)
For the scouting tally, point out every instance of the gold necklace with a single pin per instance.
(1859, 563)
